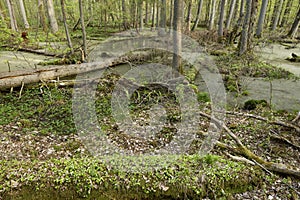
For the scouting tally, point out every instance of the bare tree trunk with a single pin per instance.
(276, 15)
(244, 37)
(200, 4)
(163, 18)
(254, 8)
(171, 14)
(13, 21)
(212, 15)
(124, 12)
(84, 54)
(157, 14)
(231, 12)
(242, 8)
(287, 13)
(261, 19)
(146, 14)
(66, 26)
(52, 18)
(153, 15)
(141, 13)
(41, 15)
(178, 12)
(295, 26)
(221, 18)
(188, 17)
(23, 12)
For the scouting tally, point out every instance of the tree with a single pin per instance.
(221, 18)
(52, 18)
(66, 26)
(23, 13)
(212, 14)
(244, 36)
(141, 13)
(189, 15)
(84, 53)
(200, 4)
(163, 16)
(286, 13)
(295, 26)
(230, 14)
(261, 19)
(124, 13)
(177, 24)
(276, 14)
(41, 15)
(13, 21)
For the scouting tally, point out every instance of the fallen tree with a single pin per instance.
(242, 150)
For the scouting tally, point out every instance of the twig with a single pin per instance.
(21, 90)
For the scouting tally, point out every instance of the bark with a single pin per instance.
(141, 13)
(189, 15)
(84, 45)
(294, 28)
(52, 18)
(23, 13)
(66, 25)
(230, 14)
(177, 24)
(221, 18)
(276, 15)
(212, 15)
(200, 4)
(163, 18)
(153, 15)
(244, 36)
(13, 21)
(41, 15)
(124, 12)
(171, 14)
(261, 19)
(254, 9)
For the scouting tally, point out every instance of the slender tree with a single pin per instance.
(23, 13)
(177, 24)
(13, 21)
(189, 15)
(51, 14)
(163, 18)
(221, 18)
(286, 13)
(141, 15)
(244, 36)
(261, 19)
(230, 14)
(84, 54)
(276, 14)
(212, 15)
(41, 15)
(199, 8)
(62, 3)
(295, 26)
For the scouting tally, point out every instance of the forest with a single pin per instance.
(149, 99)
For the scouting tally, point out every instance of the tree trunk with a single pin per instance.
(221, 18)
(244, 36)
(153, 15)
(287, 13)
(177, 24)
(41, 15)
(261, 19)
(13, 21)
(23, 12)
(212, 15)
(171, 14)
(157, 15)
(66, 26)
(124, 12)
(231, 12)
(141, 13)
(200, 4)
(293, 31)
(188, 17)
(84, 53)
(276, 15)
(163, 18)
(52, 18)
(146, 12)
(254, 8)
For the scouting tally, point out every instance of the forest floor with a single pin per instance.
(39, 141)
